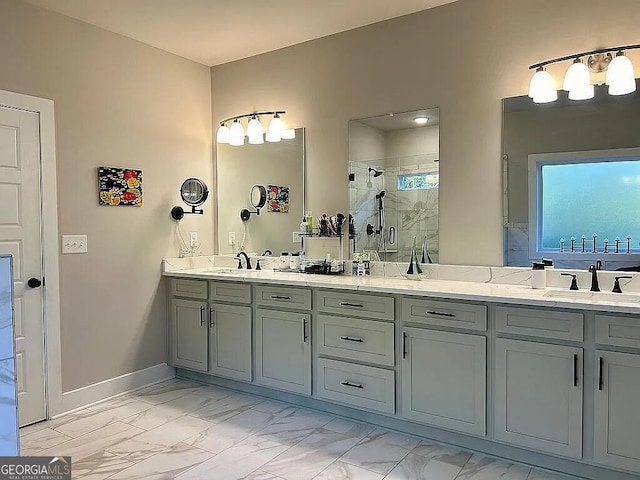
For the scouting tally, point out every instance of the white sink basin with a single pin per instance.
(593, 296)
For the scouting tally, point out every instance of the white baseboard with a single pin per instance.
(85, 396)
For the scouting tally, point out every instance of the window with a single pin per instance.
(585, 193)
(418, 181)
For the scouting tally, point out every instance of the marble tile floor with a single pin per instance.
(184, 430)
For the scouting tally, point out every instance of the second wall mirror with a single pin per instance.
(394, 181)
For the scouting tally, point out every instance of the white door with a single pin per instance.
(616, 418)
(538, 400)
(20, 236)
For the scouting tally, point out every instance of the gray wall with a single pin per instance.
(117, 103)
(463, 57)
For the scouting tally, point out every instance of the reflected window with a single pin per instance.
(418, 181)
(599, 196)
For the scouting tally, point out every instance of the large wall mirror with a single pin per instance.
(394, 184)
(280, 168)
(572, 169)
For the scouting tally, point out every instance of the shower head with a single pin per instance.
(376, 173)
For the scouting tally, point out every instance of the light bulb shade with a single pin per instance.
(582, 93)
(622, 88)
(577, 77)
(620, 70)
(236, 137)
(254, 129)
(223, 134)
(541, 88)
(272, 137)
(289, 134)
(256, 139)
(277, 126)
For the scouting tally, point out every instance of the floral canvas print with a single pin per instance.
(278, 199)
(120, 186)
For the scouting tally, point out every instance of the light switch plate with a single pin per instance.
(296, 237)
(194, 239)
(232, 238)
(74, 244)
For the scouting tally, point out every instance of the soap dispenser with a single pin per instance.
(538, 275)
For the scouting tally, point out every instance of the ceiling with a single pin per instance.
(402, 121)
(213, 32)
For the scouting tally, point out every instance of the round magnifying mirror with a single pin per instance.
(194, 192)
(258, 196)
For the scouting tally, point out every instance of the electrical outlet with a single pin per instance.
(296, 237)
(74, 244)
(232, 238)
(194, 239)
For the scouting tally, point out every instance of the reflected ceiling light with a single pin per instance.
(542, 88)
(289, 134)
(223, 134)
(421, 120)
(577, 81)
(621, 76)
(236, 137)
(234, 133)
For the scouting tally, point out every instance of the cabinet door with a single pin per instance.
(189, 334)
(538, 396)
(617, 421)
(283, 350)
(230, 341)
(444, 379)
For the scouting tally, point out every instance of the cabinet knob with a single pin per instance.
(34, 282)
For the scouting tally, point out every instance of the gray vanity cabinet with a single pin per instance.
(283, 350)
(230, 341)
(616, 416)
(444, 379)
(189, 343)
(538, 396)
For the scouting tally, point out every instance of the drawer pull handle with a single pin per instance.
(280, 297)
(440, 314)
(352, 385)
(575, 370)
(304, 331)
(600, 368)
(351, 339)
(347, 304)
(201, 316)
(404, 344)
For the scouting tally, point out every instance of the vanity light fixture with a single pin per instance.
(577, 81)
(235, 133)
(421, 120)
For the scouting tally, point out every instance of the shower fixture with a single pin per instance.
(376, 173)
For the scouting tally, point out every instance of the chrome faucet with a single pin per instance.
(593, 269)
(246, 258)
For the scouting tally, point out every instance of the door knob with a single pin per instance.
(34, 282)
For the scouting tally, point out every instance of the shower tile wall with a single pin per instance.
(411, 212)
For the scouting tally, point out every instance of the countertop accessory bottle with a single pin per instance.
(284, 260)
(294, 261)
(538, 275)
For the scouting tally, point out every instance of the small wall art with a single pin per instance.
(120, 186)
(278, 199)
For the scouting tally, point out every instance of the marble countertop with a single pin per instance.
(442, 289)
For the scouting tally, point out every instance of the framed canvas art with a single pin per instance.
(120, 186)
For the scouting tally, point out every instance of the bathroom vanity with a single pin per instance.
(536, 376)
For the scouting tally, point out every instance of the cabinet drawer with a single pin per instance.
(355, 339)
(181, 287)
(355, 304)
(540, 323)
(230, 292)
(359, 386)
(445, 314)
(299, 298)
(618, 330)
